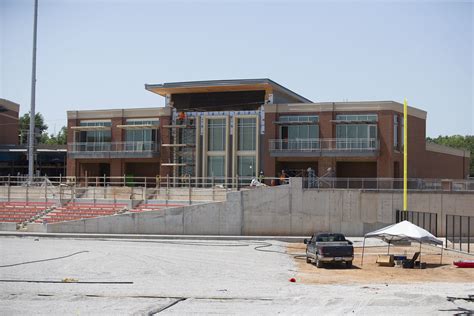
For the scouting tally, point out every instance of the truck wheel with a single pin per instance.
(307, 259)
(318, 263)
(348, 264)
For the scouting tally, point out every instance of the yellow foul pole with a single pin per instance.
(405, 155)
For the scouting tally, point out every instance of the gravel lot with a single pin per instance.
(196, 277)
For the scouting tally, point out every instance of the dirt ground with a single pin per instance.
(371, 272)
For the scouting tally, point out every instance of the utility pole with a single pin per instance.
(405, 157)
(31, 135)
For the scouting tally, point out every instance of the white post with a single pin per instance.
(190, 188)
(9, 188)
(363, 249)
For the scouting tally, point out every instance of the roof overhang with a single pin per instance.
(267, 85)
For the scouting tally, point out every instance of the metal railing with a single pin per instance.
(324, 144)
(101, 188)
(128, 146)
(425, 220)
(387, 184)
(460, 232)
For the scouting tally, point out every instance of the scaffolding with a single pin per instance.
(182, 147)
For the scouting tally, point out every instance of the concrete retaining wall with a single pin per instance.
(203, 219)
(7, 226)
(284, 210)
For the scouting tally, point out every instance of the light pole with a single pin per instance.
(31, 135)
(405, 157)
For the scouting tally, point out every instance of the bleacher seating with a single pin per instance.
(153, 207)
(75, 211)
(20, 212)
(44, 212)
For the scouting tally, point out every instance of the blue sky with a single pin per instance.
(99, 54)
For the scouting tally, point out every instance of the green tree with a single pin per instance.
(62, 136)
(460, 142)
(59, 139)
(40, 126)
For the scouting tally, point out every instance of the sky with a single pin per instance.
(99, 54)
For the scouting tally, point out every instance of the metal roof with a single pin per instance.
(228, 82)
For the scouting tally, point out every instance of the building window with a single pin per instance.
(95, 123)
(293, 132)
(215, 166)
(216, 134)
(356, 135)
(141, 138)
(100, 136)
(298, 118)
(143, 122)
(246, 166)
(395, 132)
(357, 117)
(247, 131)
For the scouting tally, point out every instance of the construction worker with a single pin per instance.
(283, 177)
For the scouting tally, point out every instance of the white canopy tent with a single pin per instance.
(403, 231)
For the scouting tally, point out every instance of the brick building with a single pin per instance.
(9, 122)
(230, 128)
(49, 159)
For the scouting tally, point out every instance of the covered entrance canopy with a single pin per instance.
(403, 231)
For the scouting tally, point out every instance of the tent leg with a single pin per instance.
(388, 248)
(363, 248)
(441, 261)
(420, 254)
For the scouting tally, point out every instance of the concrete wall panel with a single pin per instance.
(282, 210)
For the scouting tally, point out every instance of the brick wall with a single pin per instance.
(271, 132)
(9, 128)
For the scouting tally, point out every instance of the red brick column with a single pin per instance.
(385, 135)
(71, 169)
(271, 132)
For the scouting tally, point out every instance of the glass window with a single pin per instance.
(356, 131)
(95, 123)
(357, 117)
(95, 136)
(356, 135)
(247, 129)
(292, 132)
(351, 131)
(215, 166)
(140, 135)
(140, 139)
(216, 134)
(246, 166)
(143, 122)
(299, 118)
(362, 131)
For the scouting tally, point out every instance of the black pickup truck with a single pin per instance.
(328, 247)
